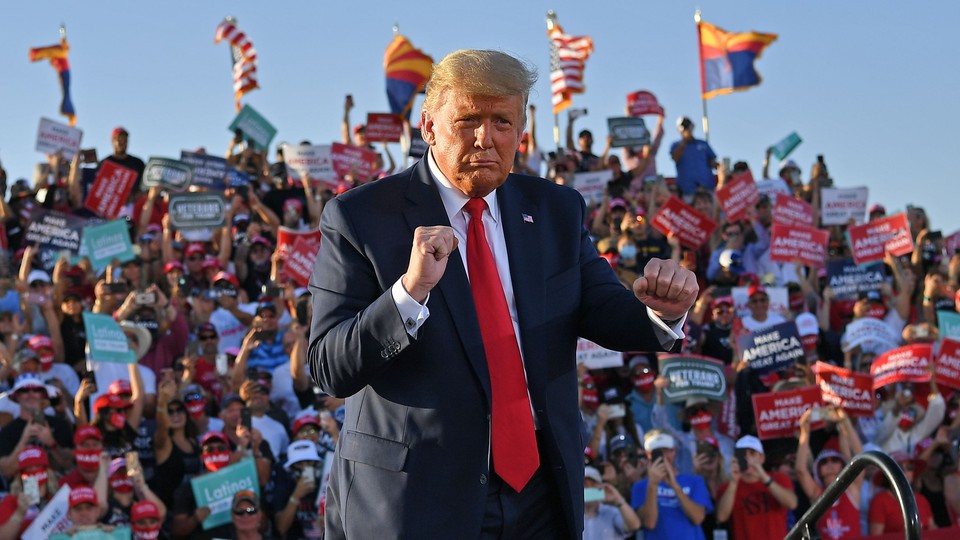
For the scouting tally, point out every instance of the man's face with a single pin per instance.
(759, 305)
(734, 237)
(120, 143)
(585, 141)
(474, 139)
(209, 342)
(31, 398)
(231, 415)
(84, 514)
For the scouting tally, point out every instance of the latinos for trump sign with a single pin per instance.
(110, 190)
(693, 376)
(788, 243)
(107, 241)
(789, 210)
(905, 364)
(778, 413)
(845, 388)
(870, 240)
(208, 171)
(838, 206)
(54, 136)
(949, 323)
(736, 196)
(255, 127)
(847, 279)
(106, 342)
(772, 349)
(167, 173)
(198, 210)
(384, 127)
(786, 145)
(691, 227)
(216, 490)
(628, 132)
(947, 366)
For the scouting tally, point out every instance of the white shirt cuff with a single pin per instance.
(664, 333)
(412, 313)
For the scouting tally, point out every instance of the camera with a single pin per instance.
(145, 298)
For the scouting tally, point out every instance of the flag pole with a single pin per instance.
(405, 136)
(551, 22)
(703, 100)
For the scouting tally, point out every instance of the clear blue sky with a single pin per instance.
(871, 85)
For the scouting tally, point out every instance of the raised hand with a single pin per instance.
(667, 288)
(428, 260)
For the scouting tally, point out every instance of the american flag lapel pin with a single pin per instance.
(527, 218)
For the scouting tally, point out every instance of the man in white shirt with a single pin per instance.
(760, 316)
(257, 398)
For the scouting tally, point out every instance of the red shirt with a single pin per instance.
(74, 480)
(757, 515)
(206, 376)
(9, 505)
(841, 521)
(885, 509)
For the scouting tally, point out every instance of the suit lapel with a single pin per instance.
(454, 289)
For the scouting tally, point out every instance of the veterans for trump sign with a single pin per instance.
(168, 173)
(777, 414)
(736, 196)
(628, 132)
(870, 240)
(772, 349)
(905, 364)
(691, 227)
(788, 243)
(198, 210)
(845, 388)
(693, 376)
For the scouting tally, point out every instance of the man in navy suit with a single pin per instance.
(397, 332)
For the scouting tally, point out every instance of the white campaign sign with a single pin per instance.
(313, 160)
(596, 357)
(52, 519)
(592, 184)
(53, 136)
(838, 206)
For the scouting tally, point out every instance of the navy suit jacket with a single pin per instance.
(413, 455)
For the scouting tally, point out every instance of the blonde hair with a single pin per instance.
(481, 73)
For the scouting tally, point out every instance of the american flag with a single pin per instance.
(244, 58)
(568, 56)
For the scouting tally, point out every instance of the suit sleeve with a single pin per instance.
(356, 330)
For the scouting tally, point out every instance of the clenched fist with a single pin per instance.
(428, 260)
(667, 288)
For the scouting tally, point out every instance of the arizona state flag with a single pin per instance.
(726, 59)
(407, 69)
(57, 55)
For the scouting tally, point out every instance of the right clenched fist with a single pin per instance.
(428, 260)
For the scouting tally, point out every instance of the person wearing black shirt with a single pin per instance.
(119, 138)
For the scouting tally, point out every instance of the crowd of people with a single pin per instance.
(220, 333)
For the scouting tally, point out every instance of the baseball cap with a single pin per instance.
(756, 289)
(38, 275)
(143, 510)
(81, 495)
(32, 456)
(730, 258)
(656, 439)
(211, 435)
(84, 433)
(245, 495)
(617, 202)
(120, 387)
(593, 474)
(260, 240)
(621, 442)
(876, 209)
(749, 442)
(195, 249)
(228, 277)
(117, 131)
(229, 399)
(305, 420)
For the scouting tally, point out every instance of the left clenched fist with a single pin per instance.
(667, 288)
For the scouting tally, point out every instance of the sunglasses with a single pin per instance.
(192, 397)
(208, 337)
(833, 459)
(175, 410)
(215, 447)
(32, 390)
(121, 411)
(723, 310)
(249, 511)
(309, 430)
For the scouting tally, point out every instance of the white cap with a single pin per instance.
(807, 324)
(749, 442)
(301, 451)
(655, 439)
(593, 474)
(38, 275)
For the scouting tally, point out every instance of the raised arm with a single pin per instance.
(803, 462)
(345, 123)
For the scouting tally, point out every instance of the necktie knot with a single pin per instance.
(475, 207)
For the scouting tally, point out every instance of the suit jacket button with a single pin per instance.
(384, 354)
(483, 479)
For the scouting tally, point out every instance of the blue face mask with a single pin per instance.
(628, 251)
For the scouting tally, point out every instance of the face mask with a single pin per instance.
(591, 399)
(628, 251)
(195, 407)
(701, 420)
(88, 459)
(146, 533)
(121, 484)
(877, 311)
(214, 461)
(906, 422)
(118, 420)
(643, 381)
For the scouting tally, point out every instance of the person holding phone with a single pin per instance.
(606, 514)
(34, 428)
(297, 490)
(670, 504)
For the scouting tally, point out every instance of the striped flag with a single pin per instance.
(727, 58)
(57, 55)
(568, 57)
(407, 69)
(244, 58)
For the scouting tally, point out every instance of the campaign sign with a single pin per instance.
(168, 173)
(54, 231)
(691, 227)
(951, 244)
(236, 178)
(300, 259)
(255, 127)
(287, 237)
(845, 388)
(627, 131)
(840, 205)
(418, 146)
(905, 364)
(208, 171)
(353, 160)
(779, 300)
(52, 518)
(596, 357)
(736, 196)
(788, 243)
(122, 532)
(947, 365)
(871, 335)
(786, 145)
(197, 210)
(772, 349)
(772, 186)
(777, 414)
(313, 161)
(591, 185)
(216, 490)
(789, 210)
(53, 136)
(949, 324)
(848, 279)
(384, 127)
(110, 190)
(870, 240)
(106, 342)
(642, 102)
(692, 375)
(107, 241)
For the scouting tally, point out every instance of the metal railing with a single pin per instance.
(898, 485)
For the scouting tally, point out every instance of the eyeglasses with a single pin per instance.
(208, 337)
(215, 447)
(268, 315)
(248, 511)
(309, 430)
(723, 310)
(175, 410)
(32, 390)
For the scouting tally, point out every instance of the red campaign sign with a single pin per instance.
(905, 364)
(384, 127)
(110, 190)
(845, 388)
(360, 162)
(788, 243)
(691, 227)
(299, 260)
(736, 196)
(778, 413)
(789, 210)
(727, 422)
(947, 365)
(642, 102)
(287, 237)
(871, 239)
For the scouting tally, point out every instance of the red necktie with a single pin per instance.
(515, 456)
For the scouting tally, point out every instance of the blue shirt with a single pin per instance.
(693, 169)
(268, 355)
(672, 523)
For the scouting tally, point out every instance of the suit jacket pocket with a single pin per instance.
(373, 450)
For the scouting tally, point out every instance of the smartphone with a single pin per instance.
(145, 298)
(246, 420)
(272, 291)
(38, 417)
(89, 376)
(816, 415)
(935, 235)
(31, 488)
(133, 463)
(238, 135)
(88, 156)
(726, 164)
(741, 455)
(117, 288)
(36, 298)
(309, 474)
(222, 367)
(820, 159)
(617, 410)
(593, 494)
(704, 447)
(921, 331)
(655, 455)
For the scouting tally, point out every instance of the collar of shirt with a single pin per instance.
(453, 199)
